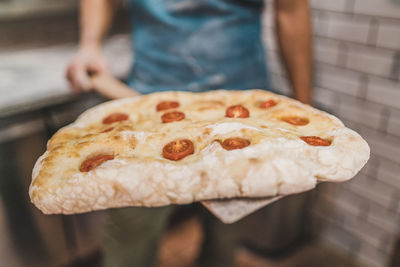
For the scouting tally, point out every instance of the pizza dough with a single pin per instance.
(180, 147)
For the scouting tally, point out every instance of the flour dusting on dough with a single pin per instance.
(227, 127)
(277, 162)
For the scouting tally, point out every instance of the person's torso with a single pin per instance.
(196, 45)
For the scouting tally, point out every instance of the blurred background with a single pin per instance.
(357, 78)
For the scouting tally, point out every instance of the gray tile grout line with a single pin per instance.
(316, 61)
(374, 173)
(339, 94)
(363, 83)
(340, 225)
(372, 37)
(365, 219)
(357, 44)
(357, 15)
(345, 94)
(383, 241)
(349, 5)
(380, 132)
(349, 190)
(342, 54)
(385, 116)
(394, 205)
(354, 70)
(353, 43)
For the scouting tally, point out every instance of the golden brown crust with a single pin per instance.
(276, 161)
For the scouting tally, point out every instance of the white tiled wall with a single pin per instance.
(381, 8)
(326, 50)
(389, 35)
(394, 123)
(370, 60)
(337, 5)
(347, 28)
(384, 91)
(357, 78)
(338, 79)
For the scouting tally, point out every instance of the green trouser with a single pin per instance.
(132, 237)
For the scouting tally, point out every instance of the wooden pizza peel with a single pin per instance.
(227, 210)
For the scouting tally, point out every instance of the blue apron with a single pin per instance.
(197, 45)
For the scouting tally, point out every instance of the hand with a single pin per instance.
(85, 61)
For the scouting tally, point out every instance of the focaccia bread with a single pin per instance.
(180, 147)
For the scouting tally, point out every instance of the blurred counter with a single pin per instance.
(35, 101)
(33, 78)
